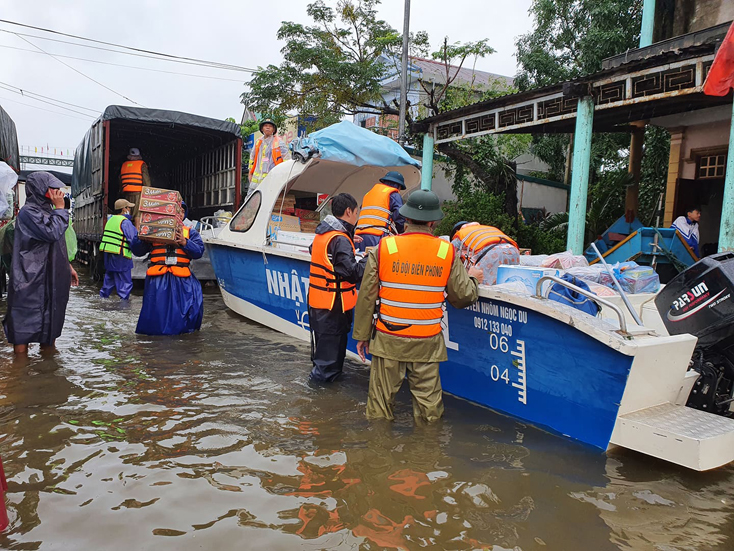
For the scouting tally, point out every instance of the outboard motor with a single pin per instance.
(699, 301)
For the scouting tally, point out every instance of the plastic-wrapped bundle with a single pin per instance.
(564, 261)
(642, 279)
(534, 260)
(601, 290)
(587, 273)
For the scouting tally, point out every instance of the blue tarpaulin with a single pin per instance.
(346, 142)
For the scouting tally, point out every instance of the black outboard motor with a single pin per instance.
(699, 301)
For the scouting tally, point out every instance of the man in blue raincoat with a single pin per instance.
(119, 232)
(172, 301)
(40, 274)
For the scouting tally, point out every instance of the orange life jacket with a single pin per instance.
(323, 283)
(277, 154)
(158, 265)
(131, 176)
(375, 216)
(414, 270)
(475, 239)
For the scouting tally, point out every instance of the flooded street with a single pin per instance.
(216, 441)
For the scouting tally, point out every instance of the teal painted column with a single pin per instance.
(648, 23)
(427, 171)
(580, 177)
(726, 230)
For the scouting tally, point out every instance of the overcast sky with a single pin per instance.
(236, 32)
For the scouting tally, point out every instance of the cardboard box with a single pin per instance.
(160, 194)
(309, 226)
(162, 219)
(160, 207)
(159, 234)
(307, 214)
(529, 275)
(282, 223)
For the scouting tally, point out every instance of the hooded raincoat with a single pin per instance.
(40, 275)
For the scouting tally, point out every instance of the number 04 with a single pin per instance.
(494, 372)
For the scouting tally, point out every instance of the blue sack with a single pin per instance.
(567, 296)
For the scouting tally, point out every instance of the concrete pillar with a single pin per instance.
(632, 196)
(580, 177)
(675, 165)
(648, 23)
(427, 171)
(726, 230)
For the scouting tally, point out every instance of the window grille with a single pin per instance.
(712, 166)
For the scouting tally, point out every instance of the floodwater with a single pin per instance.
(216, 441)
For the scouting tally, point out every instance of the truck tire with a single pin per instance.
(96, 263)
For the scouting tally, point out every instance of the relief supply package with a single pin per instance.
(160, 214)
(564, 261)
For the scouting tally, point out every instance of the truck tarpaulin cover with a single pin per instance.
(8, 141)
(345, 142)
(83, 156)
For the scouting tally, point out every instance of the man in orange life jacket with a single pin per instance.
(269, 151)
(133, 176)
(485, 247)
(172, 301)
(380, 214)
(332, 288)
(400, 309)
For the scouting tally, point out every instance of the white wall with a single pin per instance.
(539, 196)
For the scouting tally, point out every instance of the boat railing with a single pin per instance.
(588, 294)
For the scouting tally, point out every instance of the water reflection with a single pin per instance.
(215, 440)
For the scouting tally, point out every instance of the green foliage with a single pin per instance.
(331, 68)
(654, 173)
(476, 205)
(605, 206)
(571, 37)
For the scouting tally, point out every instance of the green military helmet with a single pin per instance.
(422, 206)
(268, 120)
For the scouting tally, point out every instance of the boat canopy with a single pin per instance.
(350, 159)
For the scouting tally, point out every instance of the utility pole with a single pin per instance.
(404, 74)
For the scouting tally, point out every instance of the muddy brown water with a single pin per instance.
(216, 441)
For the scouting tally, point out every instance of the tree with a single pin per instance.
(570, 39)
(330, 69)
(336, 66)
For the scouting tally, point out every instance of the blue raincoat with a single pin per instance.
(40, 274)
(171, 305)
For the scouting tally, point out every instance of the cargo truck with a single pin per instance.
(198, 156)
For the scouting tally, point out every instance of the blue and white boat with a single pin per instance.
(603, 381)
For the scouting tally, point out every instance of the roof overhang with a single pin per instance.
(664, 84)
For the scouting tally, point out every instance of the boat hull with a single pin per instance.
(511, 359)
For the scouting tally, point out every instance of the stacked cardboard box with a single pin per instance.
(309, 220)
(285, 205)
(159, 214)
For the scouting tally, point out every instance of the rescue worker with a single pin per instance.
(133, 176)
(688, 227)
(172, 301)
(269, 151)
(400, 308)
(380, 215)
(40, 274)
(485, 247)
(119, 232)
(332, 288)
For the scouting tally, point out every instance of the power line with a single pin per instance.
(78, 71)
(47, 110)
(9, 89)
(222, 65)
(158, 58)
(121, 65)
(29, 93)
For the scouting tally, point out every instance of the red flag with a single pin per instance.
(721, 75)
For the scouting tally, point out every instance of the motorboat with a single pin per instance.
(604, 381)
